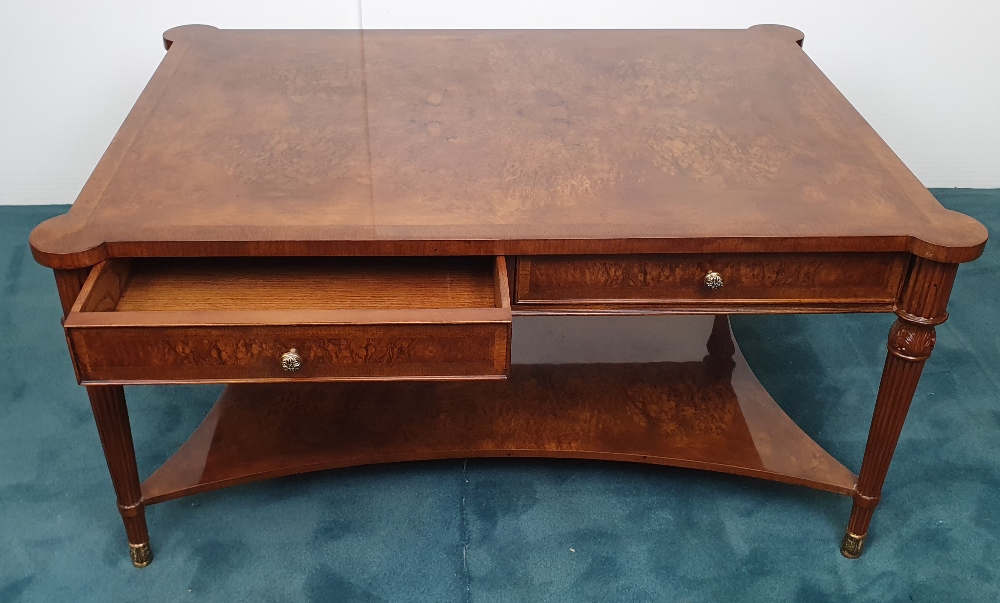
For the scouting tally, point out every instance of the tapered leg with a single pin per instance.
(721, 348)
(911, 340)
(111, 416)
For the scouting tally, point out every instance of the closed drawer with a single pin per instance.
(730, 282)
(309, 319)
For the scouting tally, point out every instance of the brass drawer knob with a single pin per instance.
(291, 361)
(713, 280)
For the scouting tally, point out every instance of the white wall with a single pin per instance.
(925, 73)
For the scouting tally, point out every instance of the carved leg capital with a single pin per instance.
(911, 341)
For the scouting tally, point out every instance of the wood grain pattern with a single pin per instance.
(104, 287)
(679, 280)
(309, 283)
(202, 354)
(707, 411)
(317, 143)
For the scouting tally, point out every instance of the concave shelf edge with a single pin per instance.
(711, 414)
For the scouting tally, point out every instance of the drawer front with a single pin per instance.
(729, 281)
(254, 353)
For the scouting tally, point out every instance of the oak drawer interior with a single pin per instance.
(234, 319)
(235, 284)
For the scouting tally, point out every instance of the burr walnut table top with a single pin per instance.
(496, 142)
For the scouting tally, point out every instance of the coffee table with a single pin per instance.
(341, 225)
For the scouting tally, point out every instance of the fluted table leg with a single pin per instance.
(911, 340)
(111, 416)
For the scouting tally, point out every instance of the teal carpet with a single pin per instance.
(505, 531)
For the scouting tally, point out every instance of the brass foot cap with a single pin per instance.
(851, 546)
(141, 554)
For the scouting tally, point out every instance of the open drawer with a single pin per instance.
(170, 320)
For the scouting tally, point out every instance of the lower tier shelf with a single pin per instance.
(710, 413)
